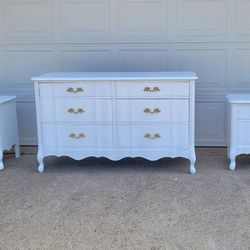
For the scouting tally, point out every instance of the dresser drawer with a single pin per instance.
(74, 89)
(65, 135)
(76, 110)
(152, 110)
(153, 136)
(152, 89)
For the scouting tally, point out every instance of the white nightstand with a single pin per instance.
(8, 126)
(239, 126)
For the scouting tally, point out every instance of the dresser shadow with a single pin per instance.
(102, 164)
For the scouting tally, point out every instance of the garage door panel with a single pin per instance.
(242, 17)
(23, 64)
(28, 18)
(19, 66)
(26, 116)
(241, 70)
(142, 18)
(2, 68)
(211, 18)
(143, 60)
(1, 22)
(82, 18)
(209, 64)
(210, 124)
(86, 60)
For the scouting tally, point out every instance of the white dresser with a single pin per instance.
(116, 115)
(8, 127)
(238, 126)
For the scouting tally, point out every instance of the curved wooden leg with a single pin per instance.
(1, 161)
(40, 161)
(232, 164)
(17, 150)
(192, 162)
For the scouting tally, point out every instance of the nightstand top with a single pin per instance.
(238, 98)
(6, 98)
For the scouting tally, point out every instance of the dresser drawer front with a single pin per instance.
(69, 89)
(152, 110)
(64, 135)
(76, 110)
(152, 89)
(153, 136)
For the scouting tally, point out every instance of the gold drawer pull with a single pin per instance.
(154, 111)
(74, 91)
(155, 89)
(74, 136)
(78, 111)
(152, 137)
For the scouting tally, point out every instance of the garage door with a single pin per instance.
(210, 37)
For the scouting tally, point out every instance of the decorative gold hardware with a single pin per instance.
(152, 137)
(155, 89)
(78, 111)
(74, 136)
(154, 111)
(74, 91)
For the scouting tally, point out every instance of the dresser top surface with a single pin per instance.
(6, 98)
(238, 98)
(78, 76)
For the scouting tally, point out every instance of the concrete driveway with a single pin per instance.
(130, 204)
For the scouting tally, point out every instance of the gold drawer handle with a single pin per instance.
(154, 111)
(74, 91)
(152, 137)
(74, 136)
(155, 89)
(78, 111)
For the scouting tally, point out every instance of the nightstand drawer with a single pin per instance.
(76, 110)
(73, 89)
(153, 136)
(244, 112)
(62, 135)
(151, 89)
(243, 134)
(152, 110)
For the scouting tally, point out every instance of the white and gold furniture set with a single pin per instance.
(116, 115)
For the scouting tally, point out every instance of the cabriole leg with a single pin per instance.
(17, 150)
(192, 163)
(40, 161)
(232, 165)
(1, 161)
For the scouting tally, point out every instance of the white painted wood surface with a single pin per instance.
(155, 120)
(114, 76)
(76, 110)
(239, 126)
(211, 38)
(152, 110)
(8, 127)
